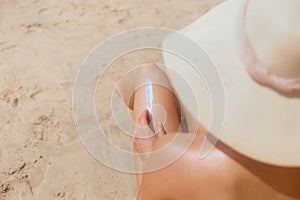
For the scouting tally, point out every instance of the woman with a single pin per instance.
(257, 154)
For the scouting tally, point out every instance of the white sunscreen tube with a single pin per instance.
(149, 101)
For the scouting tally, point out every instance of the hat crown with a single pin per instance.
(273, 31)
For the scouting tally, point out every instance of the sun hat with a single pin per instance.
(255, 46)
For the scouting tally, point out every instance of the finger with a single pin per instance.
(141, 124)
(143, 119)
(161, 130)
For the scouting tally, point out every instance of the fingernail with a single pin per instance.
(144, 113)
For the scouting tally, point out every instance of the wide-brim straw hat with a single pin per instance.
(255, 46)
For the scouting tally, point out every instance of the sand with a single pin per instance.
(42, 44)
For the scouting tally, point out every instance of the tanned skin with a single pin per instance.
(223, 175)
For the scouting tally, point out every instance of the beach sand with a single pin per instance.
(42, 44)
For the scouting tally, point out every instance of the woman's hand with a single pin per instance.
(145, 136)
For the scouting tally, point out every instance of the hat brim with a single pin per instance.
(260, 123)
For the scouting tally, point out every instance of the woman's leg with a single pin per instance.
(162, 95)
